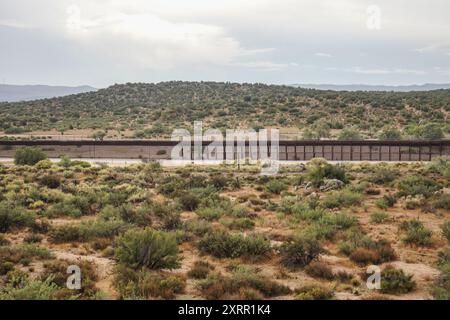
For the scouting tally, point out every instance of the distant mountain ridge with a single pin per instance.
(15, 93)
(365, 87)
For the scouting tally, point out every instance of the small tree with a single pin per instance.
(29, 156)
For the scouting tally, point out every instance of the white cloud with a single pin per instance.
(153, 42)
(442, 48)
(323, 55)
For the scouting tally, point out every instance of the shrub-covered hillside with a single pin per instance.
(153, 110)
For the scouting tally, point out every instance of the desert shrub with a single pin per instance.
(276, 186)
(440, 166)
(383, 175)
(441, 286)
(395, 281)
(141, 284)
(18, 253)
(350, 134)
(388, 201)
(66, 233)
(313, 292)
(319, 270)
(44, 164)
(219, 181)
(51, 181)
(416, 233)
(32, 238)
(390, 133)
(446, 230)
(147, 248)
(342, 198)
(300, 252)
(444, 258)
(417, 185)
(86, 231)
(219, 287)
(56, 271)
(30, 290)
(28, 156)
(169, 213)
(442, 202)
(12, 216)
(378, 217)
(200, 270)
(228, 245)
(5, 267)
(241, 224)
(239, 211)
(197, 227)
(362, 250)
(189, 201)
(318, 170)
(209, 214)
(429, 131)
(3, 240)
(64, 208)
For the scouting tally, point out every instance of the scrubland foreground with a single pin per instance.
(147, 232)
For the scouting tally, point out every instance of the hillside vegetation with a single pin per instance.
(148, 232)
(154, 110)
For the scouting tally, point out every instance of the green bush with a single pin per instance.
(313, 292)
(388, 201)
(148, 248)
(86, 231)
(276, 186)
(350, 134)
(383, 175)
(236, 287)
(300, 252)
(362, 250)
(197, 227)
(209, 214)
(378, 217)
(446, 230)
(442, 202)
(141, 284)
(200, 270)
(28, 156)
(395, 281)
(417, 185)
(416, 233)
(227, 245)
(390, 133)
(14, 217)
(30, 290)
(241, 224)
(318, 170)
(342, 198)
(319, 270)
(189, 201)
(51, 181)
(18, 253)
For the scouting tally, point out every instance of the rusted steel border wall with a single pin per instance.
(301, 150)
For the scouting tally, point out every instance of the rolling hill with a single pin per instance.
(154, 110)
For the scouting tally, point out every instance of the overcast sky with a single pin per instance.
(102, 42)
